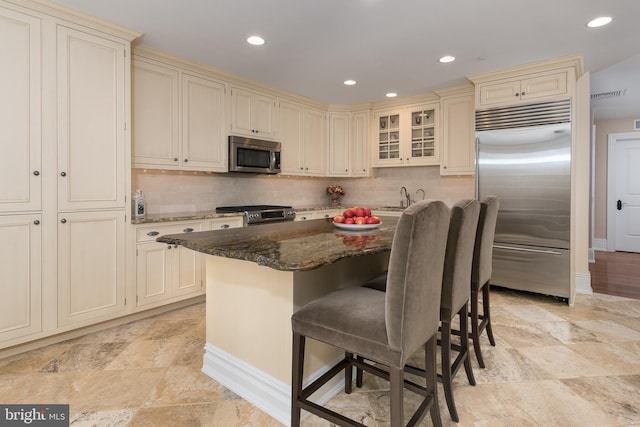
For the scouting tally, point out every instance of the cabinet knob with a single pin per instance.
(224, 226)
(346, 170)
(36, 222)
(36, 173)
(444, 167)
(175, 246)
(187, 230)
(186, 160)
(175, 159)
(517, 94)
(522, 93)
(63, 220)
(63, 174)
(153, 233)
(169, 247)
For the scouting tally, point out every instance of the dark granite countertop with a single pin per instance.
(289, 246)
(181, 216)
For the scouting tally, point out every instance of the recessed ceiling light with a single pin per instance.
(447, 58)
(392, 95)
(349, 82)
(255, 40)
(599, 22)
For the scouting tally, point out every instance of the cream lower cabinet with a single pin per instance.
(21, 284)
(91, 267)
(166, 273)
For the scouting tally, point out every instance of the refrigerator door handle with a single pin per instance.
(539, 251)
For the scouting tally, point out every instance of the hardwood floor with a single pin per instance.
(616, 273)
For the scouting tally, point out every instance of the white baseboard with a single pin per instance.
(599, 244)
(583, 283)
(260, 389)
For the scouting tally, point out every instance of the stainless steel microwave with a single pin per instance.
(253, 155)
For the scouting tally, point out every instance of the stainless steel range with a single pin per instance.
(260, 214)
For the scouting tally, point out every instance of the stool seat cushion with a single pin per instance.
(351, 319)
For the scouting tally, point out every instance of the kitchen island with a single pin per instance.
(256, 278)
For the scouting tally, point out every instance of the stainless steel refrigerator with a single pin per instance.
(524, 158)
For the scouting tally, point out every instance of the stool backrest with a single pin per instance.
(483, 251)
(415, 275)
(459, 257)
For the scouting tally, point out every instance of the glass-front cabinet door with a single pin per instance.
(407, 136)
(423, 134)
(388, 150)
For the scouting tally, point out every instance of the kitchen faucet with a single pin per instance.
(406, 195)
(423, 193)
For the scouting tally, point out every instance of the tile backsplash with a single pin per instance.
(181, 191)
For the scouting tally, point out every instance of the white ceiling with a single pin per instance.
(312, 46)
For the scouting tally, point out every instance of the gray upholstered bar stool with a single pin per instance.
(455, 297)
(386, 328)
(481, 274)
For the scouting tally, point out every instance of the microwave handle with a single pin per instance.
(272, 166)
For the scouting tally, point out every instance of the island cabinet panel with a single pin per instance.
(178, 118)
(20, 109)
(91, 121)
(20, 288)
(91, 266)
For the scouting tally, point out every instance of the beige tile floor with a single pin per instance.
(553, 365)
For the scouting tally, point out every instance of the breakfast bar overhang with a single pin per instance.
(256, 278)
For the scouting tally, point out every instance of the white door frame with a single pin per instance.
(611, 185)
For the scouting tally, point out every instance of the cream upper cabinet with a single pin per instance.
(20, 109)
(91, 266)
(528, 88)
(91, 121)
(458, 135)
(252, 113)
(178, 118)
(204, 146)
(315, 142)
(155, 103)
(339, 144)
(302, 132)
(359, 155)
(348, 144)
(407, 136)
(20, 288)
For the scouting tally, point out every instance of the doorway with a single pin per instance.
(623, 192)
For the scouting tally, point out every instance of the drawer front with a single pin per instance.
(151, 233)
(225, 222)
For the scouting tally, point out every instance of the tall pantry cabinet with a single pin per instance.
(65, 86)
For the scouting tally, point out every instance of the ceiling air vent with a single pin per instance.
(610, 94)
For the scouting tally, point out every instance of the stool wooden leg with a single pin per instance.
(396, 378)
(296, 377)
(475, 331)
(486, 309)
(464, 343)
(445, 347)
(430, 349)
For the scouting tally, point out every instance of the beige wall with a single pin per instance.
(603, 129)
(173, 191)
